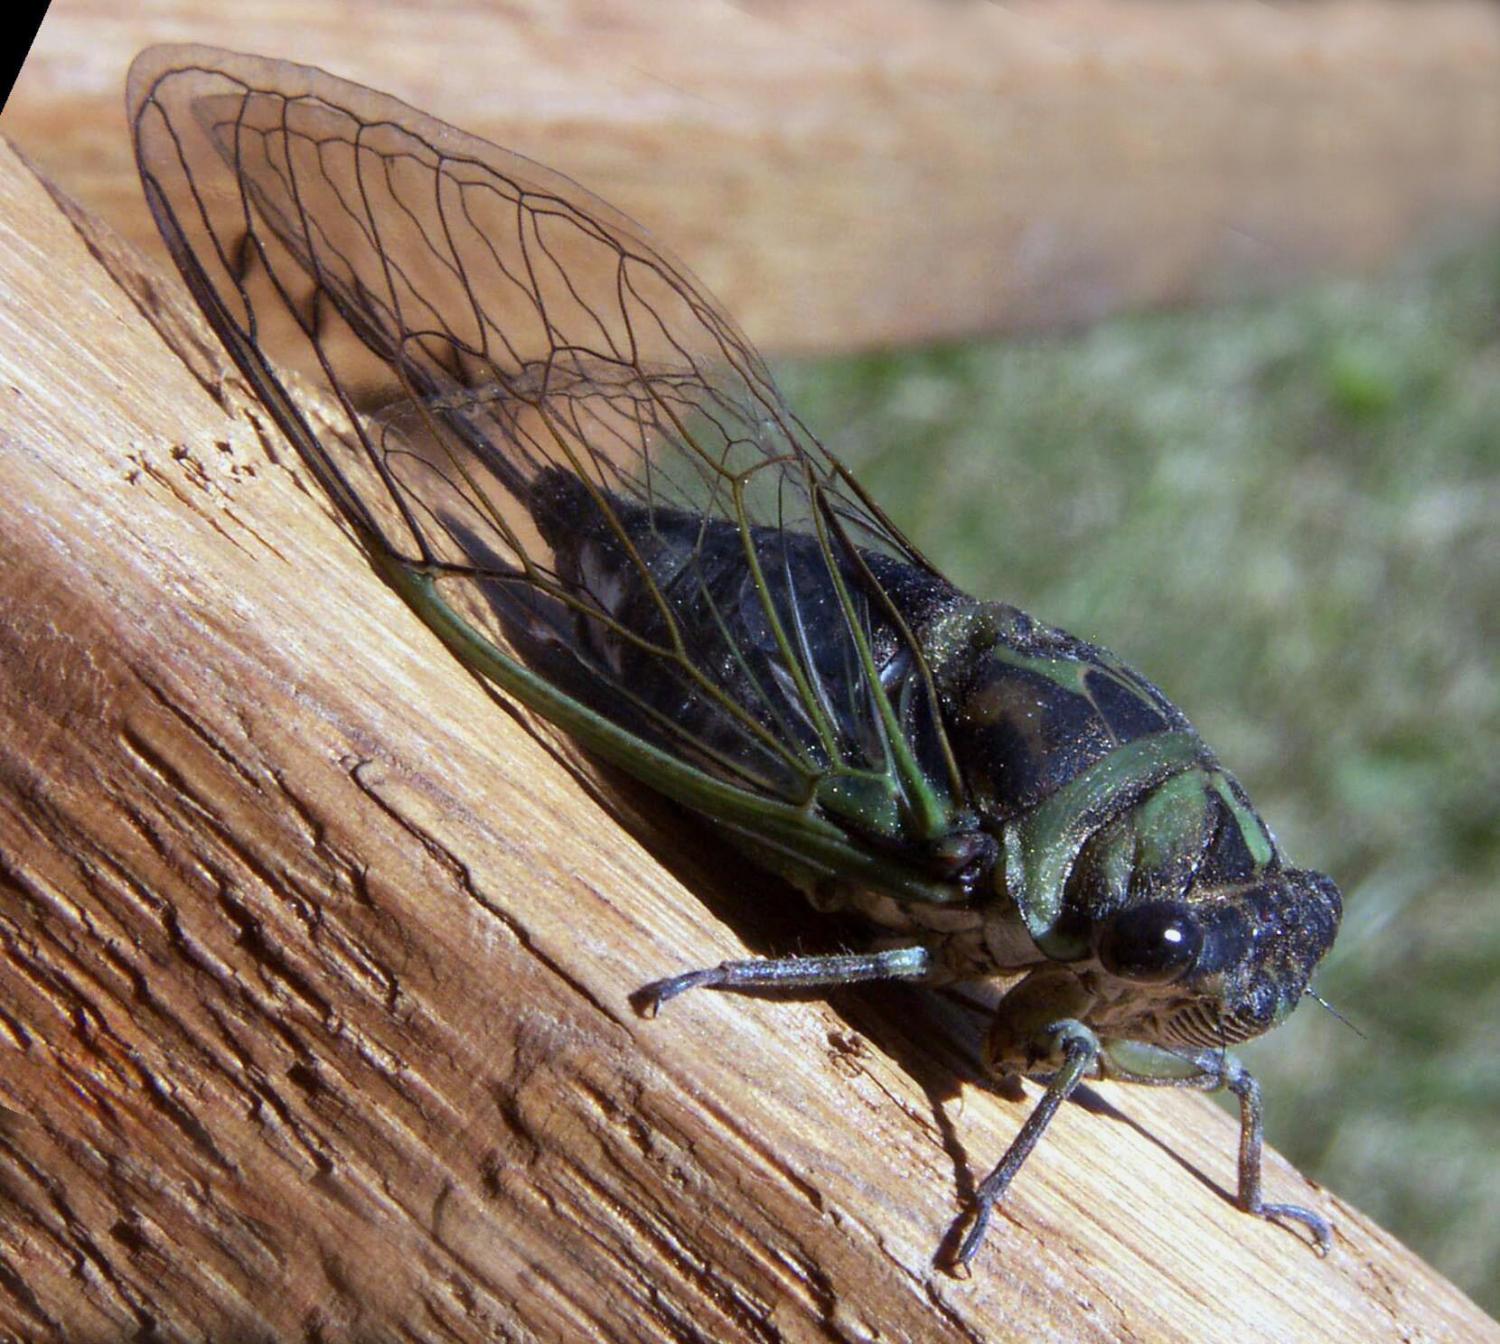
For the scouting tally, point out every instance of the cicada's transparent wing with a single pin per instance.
(549, 418)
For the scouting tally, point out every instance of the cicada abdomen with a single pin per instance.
(580, 474)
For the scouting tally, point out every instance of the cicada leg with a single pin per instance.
(1211, 1071)
(844, 968)
(1037, 1024)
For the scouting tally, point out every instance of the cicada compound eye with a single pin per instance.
(1153, 944)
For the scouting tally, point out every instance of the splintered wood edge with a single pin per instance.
(997, 168)
(315, 965)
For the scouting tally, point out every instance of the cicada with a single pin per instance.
(578, 472)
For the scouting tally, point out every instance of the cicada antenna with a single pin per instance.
(1323, 1003)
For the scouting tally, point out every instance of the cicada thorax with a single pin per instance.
(1129, 855)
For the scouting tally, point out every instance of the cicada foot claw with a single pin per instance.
(976, 1221)
(1319, 1226)
(648, 1000)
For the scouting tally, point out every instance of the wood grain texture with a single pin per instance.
(315, 965)
(882, 172)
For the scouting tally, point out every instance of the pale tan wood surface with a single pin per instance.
(876, 172)
(315, 965)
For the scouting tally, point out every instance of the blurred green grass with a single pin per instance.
(1287, 514)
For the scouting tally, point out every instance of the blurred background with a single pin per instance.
(1177, 325)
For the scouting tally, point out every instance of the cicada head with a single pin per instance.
(1188, 927)
(1216, 968)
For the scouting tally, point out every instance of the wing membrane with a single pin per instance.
(546, 415)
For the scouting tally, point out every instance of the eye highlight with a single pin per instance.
(1153, 944)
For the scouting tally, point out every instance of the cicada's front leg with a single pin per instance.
(1210, 1071)
(1038, 1031)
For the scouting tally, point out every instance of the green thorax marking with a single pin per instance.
(1041, 845)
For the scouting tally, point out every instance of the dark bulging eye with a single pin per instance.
(1153, 944)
